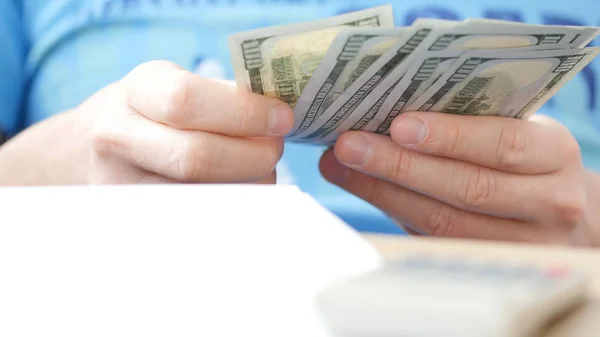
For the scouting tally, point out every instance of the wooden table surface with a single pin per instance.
(583, 322)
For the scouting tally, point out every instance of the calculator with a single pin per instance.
(432, 296)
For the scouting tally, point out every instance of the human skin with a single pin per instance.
(476, 177)
(159, 124)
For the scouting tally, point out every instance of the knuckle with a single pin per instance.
(570, 147)
(566, 145)
(177, 98)
(273, 153)
(243, 113)
(106, 135)
(476, 186)
(105, 142)
(192, 162)
(569, 208)
(278, 149)
(400, 164)
(102, 143)
(250, 113)
(441, 222)
(451, 142)
(511, 147)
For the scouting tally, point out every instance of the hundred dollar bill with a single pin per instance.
(415, 81)
(397, 56)
(503, 83)
(376, 112)
(432, 65)
(279, 61)
(350, 54)
(336, 72)
(585, 36)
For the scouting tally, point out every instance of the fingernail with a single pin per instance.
(409, 130)
(280, 120)
(355, 150)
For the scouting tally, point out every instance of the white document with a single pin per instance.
(169, 261)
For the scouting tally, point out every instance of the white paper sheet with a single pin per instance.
(169, 261)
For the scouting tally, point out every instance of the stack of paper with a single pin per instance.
(169, 261)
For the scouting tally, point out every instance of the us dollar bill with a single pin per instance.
(413, 84)
(279, 61)
(376, 112)
(503, 83)
(351, 53)
(336, 72)
(363, 86)
(432, 65)
(585, 36)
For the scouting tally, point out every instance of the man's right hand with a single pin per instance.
(163, 124)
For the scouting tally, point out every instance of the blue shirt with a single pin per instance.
(54, 54)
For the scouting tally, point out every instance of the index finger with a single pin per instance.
(168, 94)
(537, 146)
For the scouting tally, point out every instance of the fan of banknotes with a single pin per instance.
(357, 71)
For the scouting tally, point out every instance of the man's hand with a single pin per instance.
(159, 124)
(470, 177)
